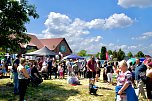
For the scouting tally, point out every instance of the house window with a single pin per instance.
(62, 48)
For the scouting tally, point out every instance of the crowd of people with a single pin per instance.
(129, 77)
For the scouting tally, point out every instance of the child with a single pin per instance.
(60, 71)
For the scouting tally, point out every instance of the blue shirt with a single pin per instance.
(138, 70)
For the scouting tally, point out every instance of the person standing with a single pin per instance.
(104, 72)
(109, 71)
(23, 77)
(124, 90)
(98, 69)
(76, 69)
(15, 80)
(49, 65)
(91, 70)
(60, 70)
(149, 81)
(139, 68)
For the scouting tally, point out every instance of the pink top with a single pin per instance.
(92, 65)
(124, 78)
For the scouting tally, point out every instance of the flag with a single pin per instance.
(107, 56)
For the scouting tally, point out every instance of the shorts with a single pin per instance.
(91, 74)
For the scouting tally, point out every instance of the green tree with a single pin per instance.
(13, 17)
(140, 54)
(98, 55)
(114, 55)
(103, 53)
(120, 55)
(110, 52)
(129, 55)
(82, 53)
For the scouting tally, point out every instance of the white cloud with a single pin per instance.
(114, 21)
(79, 36)
(144, 36)
(77, 31)
(135, 3)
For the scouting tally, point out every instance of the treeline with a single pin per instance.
(112, 55)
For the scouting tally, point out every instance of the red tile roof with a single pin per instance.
(51, 43)
(35, 41)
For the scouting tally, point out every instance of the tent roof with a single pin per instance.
(42, 52)
(73, 56)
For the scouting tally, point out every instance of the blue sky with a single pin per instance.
(91, 24)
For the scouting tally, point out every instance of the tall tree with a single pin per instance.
(140, 54)
(13, 17)
(114, 55)
(103, 53)
(82, 53)
(120, 55)
(130, 55)
(110, 52)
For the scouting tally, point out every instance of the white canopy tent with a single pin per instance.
(42, 52)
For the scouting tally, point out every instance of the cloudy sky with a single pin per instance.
(91, 24)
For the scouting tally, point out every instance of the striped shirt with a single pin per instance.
(124, 78)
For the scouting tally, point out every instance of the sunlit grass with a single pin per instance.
(59, 90)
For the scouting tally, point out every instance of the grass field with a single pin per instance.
(59, 90)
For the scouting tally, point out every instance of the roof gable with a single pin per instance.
(35, 41)
(51, 43)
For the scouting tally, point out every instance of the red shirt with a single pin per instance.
(92, 65)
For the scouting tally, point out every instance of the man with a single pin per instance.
(91, 69)
(49, 64)
(69, 67)
(139, 68)
(109, 71)
(98, 69)
(16, 81)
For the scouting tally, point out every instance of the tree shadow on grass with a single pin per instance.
(6, 93)
(50, 92)
(106, 88)
(47, 91)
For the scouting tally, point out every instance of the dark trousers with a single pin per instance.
(49, 73)
(22, 88)
(16, 83)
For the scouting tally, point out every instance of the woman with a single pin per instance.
(35, 76)
(23, 79)
(149, 81)
(124, 90)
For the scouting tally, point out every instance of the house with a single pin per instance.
(55, 44)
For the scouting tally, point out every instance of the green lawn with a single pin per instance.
(59, 90)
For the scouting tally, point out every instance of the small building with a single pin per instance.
(55, 44)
